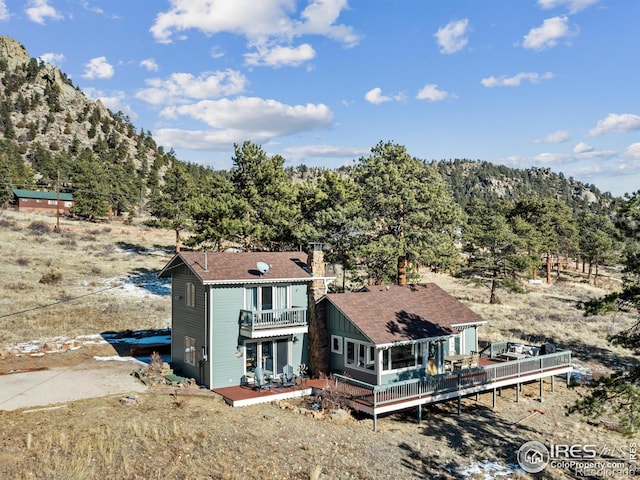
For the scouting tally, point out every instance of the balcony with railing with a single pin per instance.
(376, 399)
(267, 323)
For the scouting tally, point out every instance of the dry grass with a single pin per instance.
(176, 437)
(69, 282)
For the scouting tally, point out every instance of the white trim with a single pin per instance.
(383, 346)
(338, 350)
(263, 280)
(467, 325)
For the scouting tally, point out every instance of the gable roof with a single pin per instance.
(241, 267)
(67, 197)
(395, 314)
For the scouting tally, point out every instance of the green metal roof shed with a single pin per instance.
(19, 193)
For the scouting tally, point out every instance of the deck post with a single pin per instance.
(553, 384)
(419, 414)
(494, 398)
(568, 378)
(459, 406)
(541, 387)
(375, 421)
(517, 393)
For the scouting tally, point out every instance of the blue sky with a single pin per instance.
(548, 83)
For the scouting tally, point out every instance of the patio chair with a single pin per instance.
(260, 382)
(288, 378)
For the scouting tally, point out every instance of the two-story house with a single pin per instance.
(235, 311)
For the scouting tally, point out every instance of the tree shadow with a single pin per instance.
(411, 325)
(139, 343)
(148, 280)
(477, 434)
(579, 349)
(156, 249)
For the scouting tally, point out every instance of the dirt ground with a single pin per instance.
(480, 443)
(174, 435)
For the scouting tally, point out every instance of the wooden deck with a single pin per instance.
(245, 395)
(491, 374)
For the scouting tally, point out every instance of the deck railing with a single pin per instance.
(377, 395)
(261, 319)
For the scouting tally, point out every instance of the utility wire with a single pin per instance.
(64, 300)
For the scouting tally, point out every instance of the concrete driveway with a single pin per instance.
(65, 384)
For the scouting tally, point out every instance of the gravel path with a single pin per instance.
(68, 383)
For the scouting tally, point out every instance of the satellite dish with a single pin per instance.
(263, 267)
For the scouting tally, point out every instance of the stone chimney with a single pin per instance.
(315, 262)
(318, 341)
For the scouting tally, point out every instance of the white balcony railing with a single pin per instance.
(265, 319)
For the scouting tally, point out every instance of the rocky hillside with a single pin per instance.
(50, 126)
(472, 179)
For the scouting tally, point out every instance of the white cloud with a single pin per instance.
(39, 10)
(559, 136)
(279, 56)
(53, 58)
(551, 158)
(516, 80)
(431, 93)
(234, 121)
(299, 154)
(633, 151)
(4, 11)
(452, 37)
(255, 20)
(150, 64)
(573, 6)
(255, 116)
(582, 148)
(548, 34)
(98, 68)
(622, 123)
(375, 96)
(180, 87)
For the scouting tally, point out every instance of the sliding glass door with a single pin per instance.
(270, 354)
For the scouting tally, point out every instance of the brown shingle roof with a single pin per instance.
(397, 314)
(230, 267)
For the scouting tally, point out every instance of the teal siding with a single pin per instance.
(187, 321)
(392, 377)
(299, 295)
(228, 367)
(339, 325)
(469, 339)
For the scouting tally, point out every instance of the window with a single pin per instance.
(402, 356)
(336, 344)
(190, 350)
(272, 355)
(52, 202)
(190, 294)
(360, 355)
(266, 298)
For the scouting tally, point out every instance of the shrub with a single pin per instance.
(39, 227)
(23, 261)
(51, 277)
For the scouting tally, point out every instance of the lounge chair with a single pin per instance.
(288, 378)
(260, 383)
